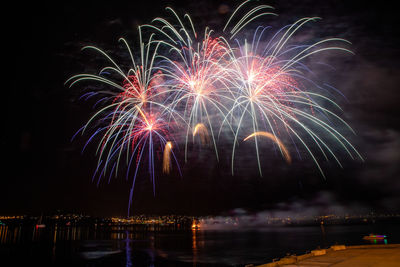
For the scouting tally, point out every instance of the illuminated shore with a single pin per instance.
(344, 256)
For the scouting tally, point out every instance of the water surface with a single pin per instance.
(166, 246)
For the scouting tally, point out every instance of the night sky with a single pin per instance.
(44, 171)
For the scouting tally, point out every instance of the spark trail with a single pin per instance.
(275, 139)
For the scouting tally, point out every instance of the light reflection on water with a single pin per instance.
(153, 246)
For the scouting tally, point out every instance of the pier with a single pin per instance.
(344, 256)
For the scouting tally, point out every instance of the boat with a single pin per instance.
(195, 225)
(374, 237)
(40, 224)
(92, 250)
(92, 255)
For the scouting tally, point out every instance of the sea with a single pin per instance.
(100, 246)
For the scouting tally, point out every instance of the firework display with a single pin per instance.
(182, 85)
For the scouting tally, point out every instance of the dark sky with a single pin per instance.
(45, 171)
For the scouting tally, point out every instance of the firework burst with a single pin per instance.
(186, 83)
(272, 91)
